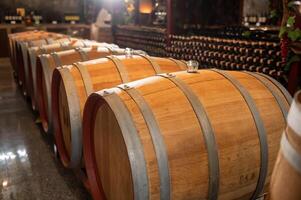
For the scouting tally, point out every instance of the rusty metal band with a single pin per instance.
(290, 153)
(180, 63)
(133, 145)
(74, 117)
(57, 60)
(120, 67)
(154, 64)
(208, 134)
(260, 130)
(269, 86)
(86, 78)
(281, 88)
(82, 53)
(157, 139)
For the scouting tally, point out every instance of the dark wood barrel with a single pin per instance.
(211, 134)
(286, 178)
(46, 64)
(71, 86)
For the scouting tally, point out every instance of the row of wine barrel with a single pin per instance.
(157, 128)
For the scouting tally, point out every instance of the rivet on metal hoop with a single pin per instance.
(107, 93)
(126, 87)
(170, 75)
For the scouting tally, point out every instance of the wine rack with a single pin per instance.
(229, 54)
(150, 40)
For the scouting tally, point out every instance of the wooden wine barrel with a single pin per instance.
(21, 47)
(24, 38)
(286, 178)
(33, 53)
(13, 38)
(35, 42)
(72, 85)
(206, 135)
(44, 69)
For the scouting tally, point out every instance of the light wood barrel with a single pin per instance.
(206, 135)
(46, 63)
(33, 53)
(72, 85)
(286, 178)
(11, 38)
(34, 42)
(61, 45)
(15, 51)
(21, 48)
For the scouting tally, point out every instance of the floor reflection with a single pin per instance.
(28, 169)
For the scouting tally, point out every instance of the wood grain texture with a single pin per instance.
(102, 73)
(232, 122)
(46, 63)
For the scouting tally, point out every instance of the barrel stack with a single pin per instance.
(135, 126)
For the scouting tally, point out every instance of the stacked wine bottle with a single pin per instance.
(151, 40)
(230, 54)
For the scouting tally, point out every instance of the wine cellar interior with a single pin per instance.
(150, 99)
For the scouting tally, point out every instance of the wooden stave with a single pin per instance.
(57, 78)
(90, 108)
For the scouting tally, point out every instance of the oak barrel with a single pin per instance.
(286, 178)
(46, 63)
(72, 85)
(206, 135)
(21, 48)
(34, 42)
(34, 53)
(11, 38)
(15, 51)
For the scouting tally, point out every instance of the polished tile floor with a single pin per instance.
(28, 168)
